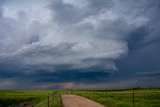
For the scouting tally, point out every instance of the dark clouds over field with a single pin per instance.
(79, 44)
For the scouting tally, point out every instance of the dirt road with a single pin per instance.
(77, 101)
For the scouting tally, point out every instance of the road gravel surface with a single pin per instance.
(77, 101)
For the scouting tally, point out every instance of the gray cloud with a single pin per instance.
(51, 44)
(68, 12)
(69, 35)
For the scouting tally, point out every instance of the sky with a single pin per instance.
(61, 44)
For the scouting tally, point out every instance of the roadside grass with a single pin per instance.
(19, 97)
(123, 98)
(36, 98)
(53, 100)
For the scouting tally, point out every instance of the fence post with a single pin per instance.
(48, 101)
(133, 98)
(106, 94)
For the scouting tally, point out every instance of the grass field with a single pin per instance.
(109, 98)
(124, 98)
(36, 98)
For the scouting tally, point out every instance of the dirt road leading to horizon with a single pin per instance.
(77, 101)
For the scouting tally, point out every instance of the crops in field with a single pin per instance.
(109, 98)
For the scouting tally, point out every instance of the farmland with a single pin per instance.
(109, 98)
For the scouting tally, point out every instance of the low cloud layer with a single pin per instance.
(81, 36)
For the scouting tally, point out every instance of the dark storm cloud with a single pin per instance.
(73, 76)
(144, 43)
(83, 41)
(51, 44)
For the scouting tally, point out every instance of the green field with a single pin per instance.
(124, 98)
(109, 98)
(36, 98)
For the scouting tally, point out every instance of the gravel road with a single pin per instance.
(77, 101)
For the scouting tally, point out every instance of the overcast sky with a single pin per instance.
(55, 44)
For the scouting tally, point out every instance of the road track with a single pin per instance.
(77, 101)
